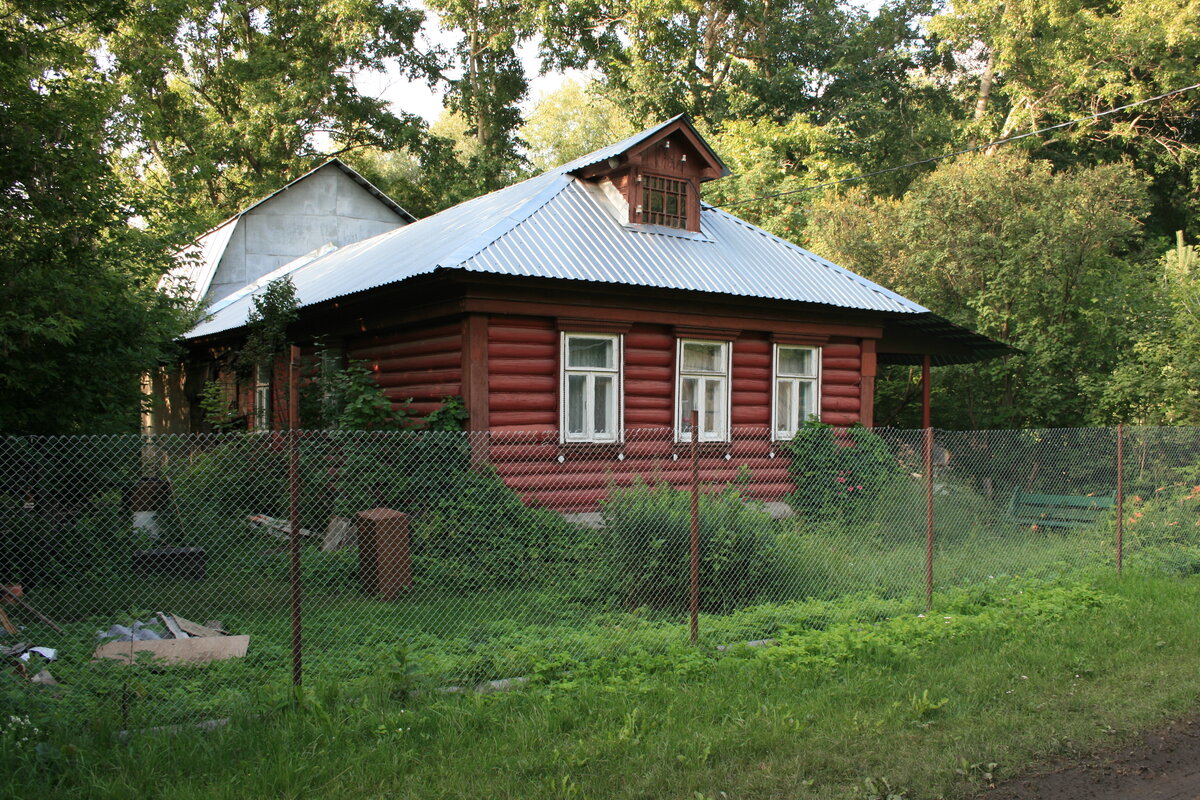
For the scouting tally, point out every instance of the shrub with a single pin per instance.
(838, 472)
(648, 533)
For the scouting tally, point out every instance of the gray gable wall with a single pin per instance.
(325, 207)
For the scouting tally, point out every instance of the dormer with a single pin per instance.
(658, 174)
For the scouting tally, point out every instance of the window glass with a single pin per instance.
(785, 406)
(576, 388)
(602, 416)
(589, 352)
(714, 397)
(796, 361)
(703, 357)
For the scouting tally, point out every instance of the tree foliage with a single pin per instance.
(224, 101)
(80, 318)
(1005, 245)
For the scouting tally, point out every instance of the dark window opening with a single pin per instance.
(664, 201)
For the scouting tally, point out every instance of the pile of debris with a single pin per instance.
(171, 638)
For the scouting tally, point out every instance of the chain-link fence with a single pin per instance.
(164, 575)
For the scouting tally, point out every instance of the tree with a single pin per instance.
(491, 85)
(225, 101)
(1045, 260)
(1158, 381)
(573, 121)
(80, 318)
(1056, 60)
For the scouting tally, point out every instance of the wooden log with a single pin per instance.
(417, 347)
(522, 383)
(838, 417)
(748, 347)
(523, 366)
(522, 401)
(649, 358)
(834, 350)
(448, 360)
(361, 343)
(841, 376)
(646, 340)
(657, 402)
(647, 416)
(761, 375)
(854, 364)
(520, 350)
(503, 419)
(512, 333)
(418, 391)
(840, 390)
(841, 404)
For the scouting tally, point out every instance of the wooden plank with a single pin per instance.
(197, 650)
(194, 628)
(169, 623)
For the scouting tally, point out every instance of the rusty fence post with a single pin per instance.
(294, 511)
(694, 600)
(1120, 495)
(928, 518)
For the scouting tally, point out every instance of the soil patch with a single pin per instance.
(1161, 765)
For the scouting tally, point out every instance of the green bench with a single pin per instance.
(1058, 510)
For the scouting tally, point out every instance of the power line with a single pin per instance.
(995, 143)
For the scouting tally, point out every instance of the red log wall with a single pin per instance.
(423, 364)
(523, 382)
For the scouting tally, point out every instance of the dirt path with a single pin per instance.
(1163, 765)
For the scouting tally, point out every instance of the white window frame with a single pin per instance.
(814, 379)
(262, 397)
(617, 372)
(722, 435)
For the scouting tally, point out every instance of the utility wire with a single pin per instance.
(995, 143)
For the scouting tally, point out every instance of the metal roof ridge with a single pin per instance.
(476, 245)
(829, 265)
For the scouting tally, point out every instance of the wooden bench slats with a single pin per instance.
(1058, 510)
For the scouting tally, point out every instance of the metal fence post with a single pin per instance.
(1120, 495)
(294, 510)
(928, 518)
(694, 600)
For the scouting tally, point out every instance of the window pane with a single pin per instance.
(785, 406)
(583, 351)
(687, 403)
(703, 357)
(603, 406)
(576, 386)
(796, 361)
(808, 400)
(714, 404)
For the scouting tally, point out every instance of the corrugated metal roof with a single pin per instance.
(551, 226)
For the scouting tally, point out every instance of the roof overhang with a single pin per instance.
(908, 339)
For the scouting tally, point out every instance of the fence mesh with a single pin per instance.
(456, 559)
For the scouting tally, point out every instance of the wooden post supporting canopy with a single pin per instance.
(925, 411)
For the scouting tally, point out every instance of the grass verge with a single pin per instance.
(921, 707)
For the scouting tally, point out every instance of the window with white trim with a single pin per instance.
(262, 398)
(797, 388)
(703, 386)
(591, 387)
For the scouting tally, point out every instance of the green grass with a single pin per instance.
(1026, 674)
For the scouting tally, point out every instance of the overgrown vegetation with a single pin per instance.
(849, 698)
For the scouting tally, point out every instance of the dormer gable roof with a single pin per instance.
(618, 155)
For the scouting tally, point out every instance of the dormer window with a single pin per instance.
(664, 202)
